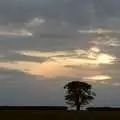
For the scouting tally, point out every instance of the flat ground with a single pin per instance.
(58, 115)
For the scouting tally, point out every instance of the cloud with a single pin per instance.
(106, 8)
(116, 84)
(106, 41)
(64, 63)
(22, 32)
(104, 82)
(54, 27)
(75, 57)
(37, 69)
(98, 77)
(4, 77)
(43, 54)
(35, 22)
(99, 31)
(2, 56)
(78, 13)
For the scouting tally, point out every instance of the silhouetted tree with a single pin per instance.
(78, 94)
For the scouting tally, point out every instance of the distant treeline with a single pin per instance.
(103, 109)
(33, 108)
(55, 108)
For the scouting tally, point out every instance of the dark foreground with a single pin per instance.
(58, 115)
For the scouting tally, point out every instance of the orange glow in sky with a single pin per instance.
(58, 62)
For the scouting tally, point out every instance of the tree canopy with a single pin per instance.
(78, 94)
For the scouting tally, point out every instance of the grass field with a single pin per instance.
(58, 115)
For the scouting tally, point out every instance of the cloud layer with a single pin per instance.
(51, 42)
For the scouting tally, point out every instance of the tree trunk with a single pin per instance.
(77, 102)
(78, 107)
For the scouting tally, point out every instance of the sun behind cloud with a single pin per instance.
(84, 63)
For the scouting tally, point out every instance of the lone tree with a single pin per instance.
(78, 94)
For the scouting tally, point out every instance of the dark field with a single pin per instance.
(58, 115)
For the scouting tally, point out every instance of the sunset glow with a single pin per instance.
(98, 77)
(57, 62)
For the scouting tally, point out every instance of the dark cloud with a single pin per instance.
(107, 13)
(38, 43)
(107, 8)
(76, 12)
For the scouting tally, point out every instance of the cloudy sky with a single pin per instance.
(47, 43)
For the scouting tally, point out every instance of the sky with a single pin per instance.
(46, 43)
